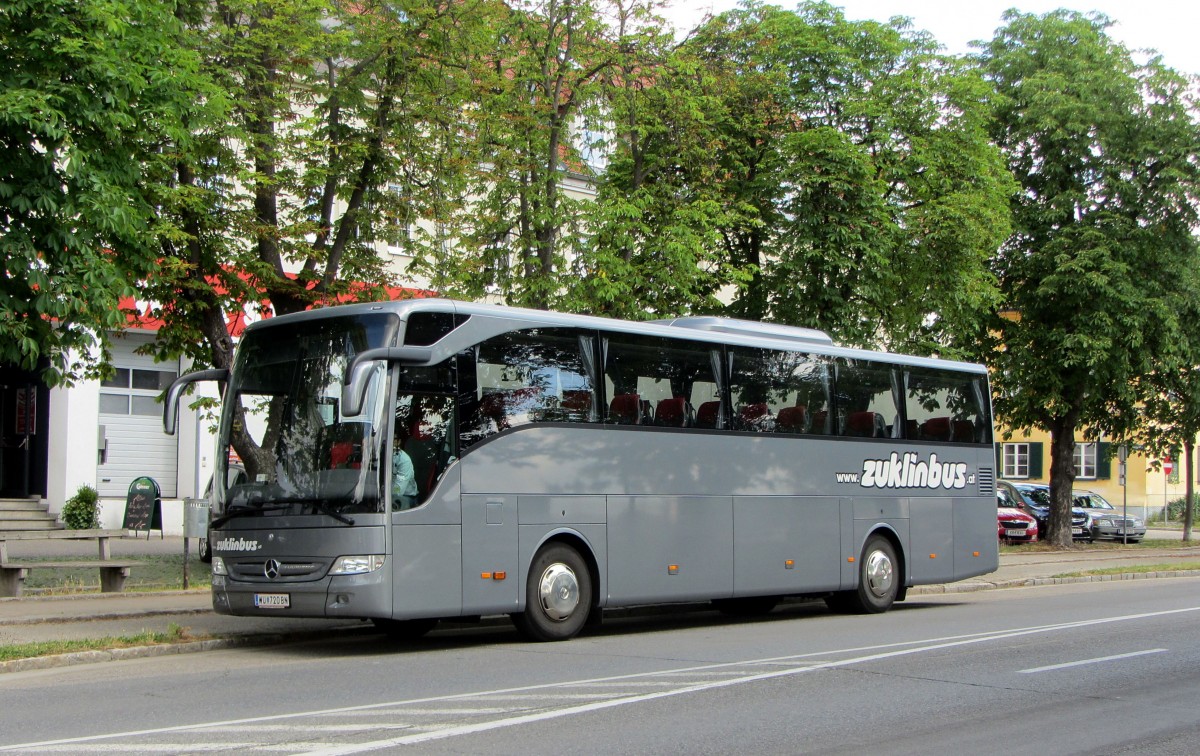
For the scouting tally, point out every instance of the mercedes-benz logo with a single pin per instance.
(271, 569)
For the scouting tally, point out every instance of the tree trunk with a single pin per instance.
(1062, 479)
(1189, 448)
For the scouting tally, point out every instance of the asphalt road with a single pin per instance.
(1083, 668)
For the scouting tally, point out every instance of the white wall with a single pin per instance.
(72, 453)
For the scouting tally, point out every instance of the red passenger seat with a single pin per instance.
(625, 409)
(792, 420)
(865, 425)
(963, 430)
(708, 414)
(672, 412)
(578, 401)
(936, 429)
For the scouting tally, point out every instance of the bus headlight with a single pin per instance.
(357, 565)
(218, 566)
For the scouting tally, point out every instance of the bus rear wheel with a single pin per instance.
(558, 595)
(878, 581)
(404, 630)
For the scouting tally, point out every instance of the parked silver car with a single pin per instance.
(1106, 522)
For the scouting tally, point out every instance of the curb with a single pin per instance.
(974, 586)
(101, 616)
(160, 649)
(244, 641)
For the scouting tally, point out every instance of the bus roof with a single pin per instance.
(700, 328)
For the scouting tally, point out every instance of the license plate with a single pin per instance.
(272, 600)
(1076, 531)
(1014, 533)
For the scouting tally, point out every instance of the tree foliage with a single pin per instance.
(1104, 151)
(342, 133)
(654, 246)
(842, 168)
(92, 94)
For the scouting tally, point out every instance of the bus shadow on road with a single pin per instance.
(453, 635)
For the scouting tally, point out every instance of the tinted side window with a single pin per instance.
(943, 405)
(665, 382)
(865, 400)
(541, 375)
(425, 328)
(784, 392)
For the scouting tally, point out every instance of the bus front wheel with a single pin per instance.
(558, 595)
(879, 580)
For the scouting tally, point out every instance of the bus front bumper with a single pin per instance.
(349, 596)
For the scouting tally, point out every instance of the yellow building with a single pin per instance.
(1025, 458)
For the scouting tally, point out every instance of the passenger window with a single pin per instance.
(653, 381)
(943, 405)
(866, 400)
(528, 377)
(784, 392)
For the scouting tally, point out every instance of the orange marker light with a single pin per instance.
(485, 575)
(789, 563)
(499, 575)
(974, 553)
(672, 569)
(849, 559)
(933, 556)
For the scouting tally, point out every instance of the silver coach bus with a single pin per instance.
(428, 459)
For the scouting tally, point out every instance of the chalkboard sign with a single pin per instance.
(143, 506)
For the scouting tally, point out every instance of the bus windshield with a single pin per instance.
(283, 422)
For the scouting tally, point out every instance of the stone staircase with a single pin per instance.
(26, 514)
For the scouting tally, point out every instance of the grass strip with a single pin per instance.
(1134, 568)
(1145, 544)
(173, 634)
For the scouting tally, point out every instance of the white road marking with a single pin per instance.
(903, 648)
(1081, 662)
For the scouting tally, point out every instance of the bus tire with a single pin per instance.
(558, 595)
(404, 630)
(878, 581)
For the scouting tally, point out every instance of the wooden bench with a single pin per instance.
(112, 572)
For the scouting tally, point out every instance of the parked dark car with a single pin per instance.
(1106, 522)
(1034, 499)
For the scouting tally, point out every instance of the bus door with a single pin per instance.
(425, 510)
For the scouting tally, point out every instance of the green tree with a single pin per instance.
(94, 94)
(541, 77)
(865, 196)
(653, 246)
(1172, 403)
(1104, 151)
(343, 130)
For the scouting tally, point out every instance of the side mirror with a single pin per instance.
(171, 406)
(356, 375)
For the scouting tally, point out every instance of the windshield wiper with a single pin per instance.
(323, 509)
(242, 511)
(245, 509)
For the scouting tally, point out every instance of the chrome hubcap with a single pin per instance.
(879, 574)
(559, 592)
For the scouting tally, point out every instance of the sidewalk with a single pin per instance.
(33, 619)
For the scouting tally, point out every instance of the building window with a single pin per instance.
(1016, 461)
(133, 391)
(1085, 460)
